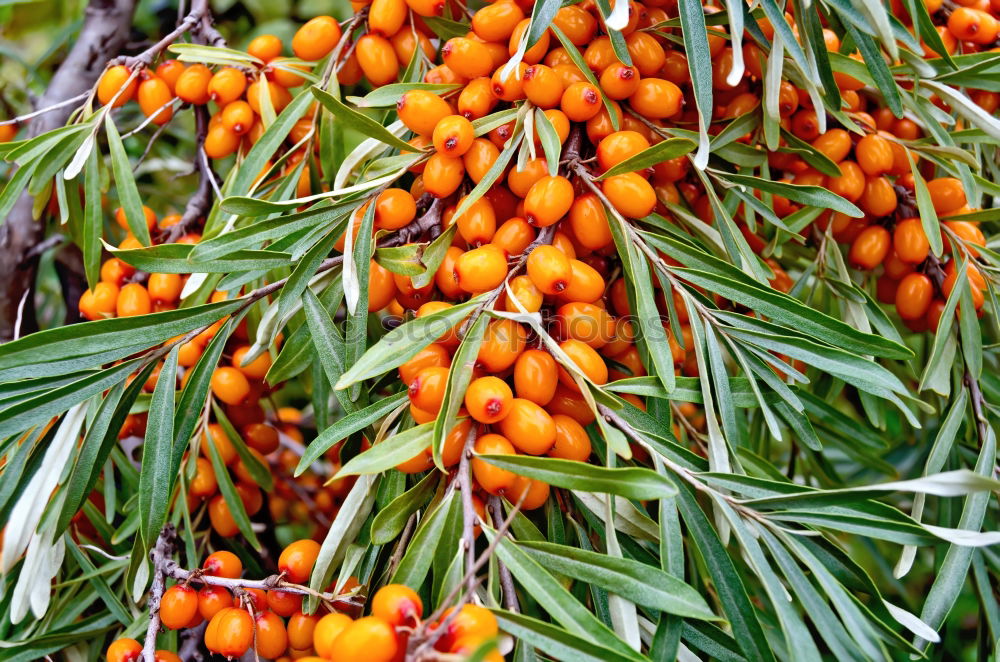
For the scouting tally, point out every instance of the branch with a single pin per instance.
(506, 579)
(159, 555)
(468, 509)
(200, 203)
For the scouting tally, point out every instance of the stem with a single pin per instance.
(506, 579)
(159, 555)
(47, 109)
(468, 509)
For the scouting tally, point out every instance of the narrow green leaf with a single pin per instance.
(390, 521)
(156, 482)
(128, 193)
(355, 121)
(629, 482)
(387, 454)
(346, 426)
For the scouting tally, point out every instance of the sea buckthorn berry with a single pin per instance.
(442, 75)
(218, 438)
(255, 369)
(549, 269)
(369, 638)
(543, 86)
(148, 215)
(234, 635)
(655, 98)
(100, 302)
(481, 269)
(472, 621)
(528, 427)
(261, 437)
(503, 342)
(850, 184)
(492, 479)
(426, 390)
(589, 222)
(496, 22)
(212, 600)
(467, 57)
(162, 655)
(115, 271)
(969, 233)
(443, 175)
(377, 59)
(548, 200)
(301, 630)
(112, 81)
(478, 223)
(238, 117)
(394, 208)
(386, 17)
(969, 24)
(477, 99)
(445, 278)
(576, 23)
(203, 483)
(282, 72)
(421, 110)
(220, 142)
(480, 158)
(572, 442)
(531, 494)
(526, 294)
(515, 235)
(192, 85)
(618, 147)
(265, 47)
(509, 85)
(223, 564)
(230, 385)
(619, 81)
(835, 144)
(870, 247)
(631, 194)
(133, 299)
(585, 322)
(381, 286)
(587, 361)
(316, 38)
(910, 242)
(521, 181)
(279, 96)
(284, 603)
(178, 606)
(154, 98)
(164, 287)
(227, 85)
(879, 197)
(124, 650)
(405, 43)
(453, 136)
(397, 605)
(488, 399)
(947, 194)
(169, 71)
(581, 101)
(536, 376)
(296, 560)
(537, 52)
(426, 7)
(913, 296)
(977, 283)
(326, 631)
(271, 637)
(874, 155)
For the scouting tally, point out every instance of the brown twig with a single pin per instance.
(468, 509)
(506, 579)
(160, 556)
(199, 204)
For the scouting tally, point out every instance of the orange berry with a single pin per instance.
(453, 136)
(472, 621)
(426, 390)
(301, 630)
(497, 21)
(234, 635)
(369, 638)
(477, 99)
(870, 247)
(122, 221)
(531, 494)
(443, 175)
(585, 322)
(542, 86)
(655, 98)
(178, 606)
(521, 181)
(509, 86)
(572, 442)
(879, 197)
(326, 631)
(204, 483)
(488, 399)
(124, 650)
(514, 236)
(548, 200)
(874, 155)
(549, 269)
(587, 361)
(284, 603)
(503, 342)
(238, 117)
(223, 564)
(481, 269)
(230, 385)
(386, 17)
(381, 286)
(220, 142)
(913, 296)
(492, 479)
(133, 300)
(618, 147)
(478, 223)
(227, 85)
(316, 38)
(947, 194)
(297, 560)
(377, 59)
(526, 294)
(631, 194)
(265, 47)
(394, 208)
(909, 241)
(218, 438)
(192, 85)
(154, 97)
(165, 287)
(619, 81)
(100, 302)
(581, 101)
(212, 600)
(536, 376)
(397, 605)
(113, 80)
(467, 57)
(271, 636)
(528, 427)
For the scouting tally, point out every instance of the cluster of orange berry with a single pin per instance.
(273, 624)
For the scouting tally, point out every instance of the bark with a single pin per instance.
(106, 26)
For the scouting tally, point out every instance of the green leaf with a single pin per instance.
(387, 454)
(156, 481)
(390, 521)
(649, 157)
(128, 193)
(629, 482)
(872, 57)
(635, 581)
(268, 144)
(558, 602)
(695, 35)
(463, 364)
(103, 340)
(401, 344)
(346, 426)
(549, 139)
(353, 120)
(93, 221)
(813, 196)
(386, 96)
(231, 496)
(175, 259)
(413, 567)
(554, 641)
